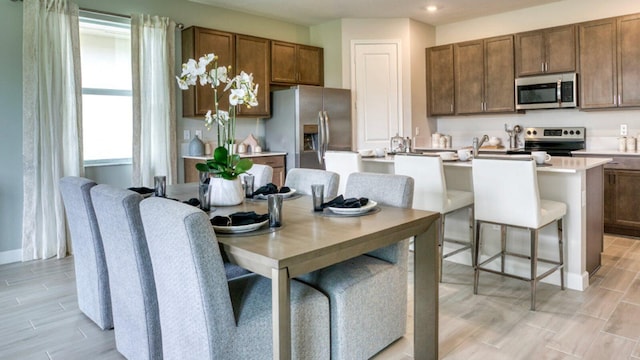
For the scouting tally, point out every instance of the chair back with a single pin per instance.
(385, 189)
(344, 163)
(133, 289)
(262, 175)
(92, 276)
(195, 308)
(430, 190)
(302, 179)
(506, 192)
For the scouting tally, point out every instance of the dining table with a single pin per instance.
(310, 240)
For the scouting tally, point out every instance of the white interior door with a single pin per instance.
(376, 80)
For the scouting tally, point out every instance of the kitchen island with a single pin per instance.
(576, 181)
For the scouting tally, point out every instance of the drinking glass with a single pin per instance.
(160, 185)
(274, 204)
(248, 186)
(317, 193)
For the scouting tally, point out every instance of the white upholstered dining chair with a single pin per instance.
(344, 163)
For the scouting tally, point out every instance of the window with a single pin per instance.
(105, 53)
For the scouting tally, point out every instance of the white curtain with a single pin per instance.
(154, 118)
(52, 133)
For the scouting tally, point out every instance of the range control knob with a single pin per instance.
(571, 132)
(528, 132)
(565, 132)
(535, 132)
(577, 132)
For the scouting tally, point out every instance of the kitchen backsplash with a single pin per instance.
(603, 127)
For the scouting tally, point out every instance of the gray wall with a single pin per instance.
(182, 11)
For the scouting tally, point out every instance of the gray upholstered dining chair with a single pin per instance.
(92, 277)
(302, 179)
(368, 294)
(133, 289)
(205, 316)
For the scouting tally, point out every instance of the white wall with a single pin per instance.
(602, 126)
(329, 37)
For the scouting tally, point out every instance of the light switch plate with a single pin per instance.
(199, 134)
(186, 135)
(623, 130)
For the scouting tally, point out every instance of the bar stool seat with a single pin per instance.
(431, 194)
(506, 193)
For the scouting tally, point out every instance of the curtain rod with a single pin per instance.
(178, 25)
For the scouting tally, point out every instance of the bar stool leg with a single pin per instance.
(561, 252)
(503, 244)
(534, 267)
(476, 273)
(441, 242)
(472, 236)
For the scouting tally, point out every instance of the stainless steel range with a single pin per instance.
(559, 141)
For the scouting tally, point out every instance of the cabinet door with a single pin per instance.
(560, 49)
(629, 60)
(469, 77)
(310, 65)
(627, 186)
(499, 92)
(197, 42)
(190, 171)
(598, 88)
(252, 56)
(440, 80)
(283, 62)
(530, 53)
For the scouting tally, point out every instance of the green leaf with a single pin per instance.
(220, 155)
(202, 167)
(243, 165)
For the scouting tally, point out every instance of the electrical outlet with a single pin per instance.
(417, 130)
(623, 130)
(199, 134)
(186, 135)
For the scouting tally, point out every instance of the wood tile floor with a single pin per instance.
(39, 316)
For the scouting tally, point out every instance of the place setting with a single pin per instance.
(263, 192)
(341, 206)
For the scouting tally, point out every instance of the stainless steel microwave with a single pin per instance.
(547, 91)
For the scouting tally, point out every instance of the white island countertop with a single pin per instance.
(557, 163)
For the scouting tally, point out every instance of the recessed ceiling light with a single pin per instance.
(432, 8)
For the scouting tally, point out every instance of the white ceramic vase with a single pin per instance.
(224, 192)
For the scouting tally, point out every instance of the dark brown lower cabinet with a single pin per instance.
(622, 201)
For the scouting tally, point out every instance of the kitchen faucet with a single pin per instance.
(477, 144)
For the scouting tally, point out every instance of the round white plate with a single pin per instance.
(238, 229)
(284, 195)
(353, 211)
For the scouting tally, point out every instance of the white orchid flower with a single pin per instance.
(182, 83)
(237, 97)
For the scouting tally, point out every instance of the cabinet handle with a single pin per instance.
(451, 107)
(619, 102)
(542, 66)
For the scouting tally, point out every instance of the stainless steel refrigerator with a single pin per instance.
(306, 121)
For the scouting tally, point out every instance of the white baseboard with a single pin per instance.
(10, 256)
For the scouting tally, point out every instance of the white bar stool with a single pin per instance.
(506, 194)
(431, 193)
(344, 163)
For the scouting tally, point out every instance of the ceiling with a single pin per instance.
(313, 12)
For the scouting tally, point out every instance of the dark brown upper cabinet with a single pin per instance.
(546, 51)
(296, 64)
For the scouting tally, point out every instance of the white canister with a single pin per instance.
(442, 142)
(448, 137)
(435, 140)
(622, 144)
(631, 144)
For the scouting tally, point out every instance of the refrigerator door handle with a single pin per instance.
(326, 131)
(320, 149)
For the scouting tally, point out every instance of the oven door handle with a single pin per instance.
(559, 92)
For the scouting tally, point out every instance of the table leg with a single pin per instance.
(425, 302)
(281, 314)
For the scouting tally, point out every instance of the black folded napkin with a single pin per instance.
(239, 219)
(270, 188)
(192, 202)
(142, 190)
(341, 202)
(284, 190)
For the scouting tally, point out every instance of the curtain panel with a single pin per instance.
(154, 115)
(52, 133)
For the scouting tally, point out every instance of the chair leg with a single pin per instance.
(503, 245)
(534, 267)
(476, 272)
(561, 253)
(472, 231)
(441, 243)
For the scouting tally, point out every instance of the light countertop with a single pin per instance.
(245, 155)
(606, 152)
(557, 164)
